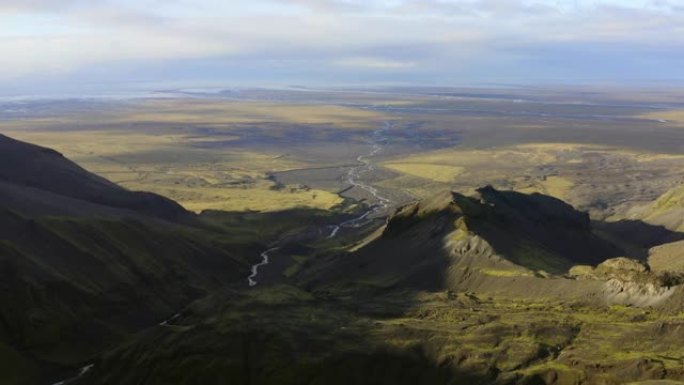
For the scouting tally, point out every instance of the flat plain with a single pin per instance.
(603, 150)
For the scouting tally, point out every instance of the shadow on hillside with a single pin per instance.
(276, 335)
(538, 232)
(636, 236)
(410, 258)
(343, 331)
(534, 230)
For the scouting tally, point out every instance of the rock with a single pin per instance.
(627, 281)
(581, 272)
(623, 263)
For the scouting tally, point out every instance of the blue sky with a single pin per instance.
(50, 46)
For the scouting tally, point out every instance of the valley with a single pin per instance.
(342, 192)
(391, 236)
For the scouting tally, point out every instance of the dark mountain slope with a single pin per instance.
(84, 262)
(486, 289)
(31, 170)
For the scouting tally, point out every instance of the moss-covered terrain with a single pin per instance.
(283, 335)
(498, 287)
(439, 296)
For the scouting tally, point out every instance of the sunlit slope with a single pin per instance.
(444, 241)
(667, 210)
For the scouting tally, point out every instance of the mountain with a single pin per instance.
(448, 241)
(84, 262)
(494, 288)
(497, 288)
(38, 180)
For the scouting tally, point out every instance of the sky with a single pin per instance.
(82, 46)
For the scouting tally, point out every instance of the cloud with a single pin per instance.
(11, 6)
(375, 63)
(406, 39)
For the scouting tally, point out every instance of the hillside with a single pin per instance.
(666, 211)
(84, 262)
(443, 242)
(41, 181)
(662, 237)
(496, 288)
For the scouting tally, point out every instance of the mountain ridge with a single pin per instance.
(27, 170)
(83, 259)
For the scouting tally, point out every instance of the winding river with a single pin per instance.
(255, 268)
(353, 178)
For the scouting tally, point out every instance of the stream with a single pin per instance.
(353, 178)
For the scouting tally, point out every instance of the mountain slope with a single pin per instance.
(439, 243)
(667, 210)
(657, 229)
(30, 174)
(498, 288)
(84, 262)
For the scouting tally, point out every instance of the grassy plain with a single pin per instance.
(582, 174)
(615, 151)
(150, 147)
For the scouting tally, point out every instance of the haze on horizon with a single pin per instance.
(78, 46)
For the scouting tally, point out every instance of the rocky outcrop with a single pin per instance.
(628, 281)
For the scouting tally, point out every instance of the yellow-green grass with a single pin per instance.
(675, 117)
(257, 198)
(547, 168)
(506, 273)
(436, 172)
(555, 186)
(475, 167)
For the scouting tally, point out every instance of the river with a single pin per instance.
(353, 178)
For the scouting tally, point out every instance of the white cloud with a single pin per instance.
(375, 63)
(76, 44)
(66, 36)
